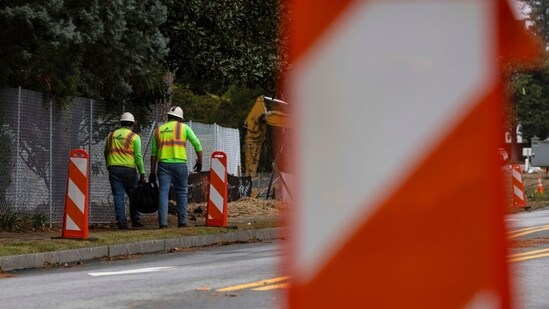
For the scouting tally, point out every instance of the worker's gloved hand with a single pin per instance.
(142, 179)
(152, 177)
(198, 167)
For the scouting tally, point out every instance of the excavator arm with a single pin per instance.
(256, 125)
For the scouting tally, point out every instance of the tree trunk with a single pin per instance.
(513, 151)
(60, 152)
(165, 105)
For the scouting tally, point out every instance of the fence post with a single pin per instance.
(50, 189)
(17, 170)
(90, 142)
(216, 146)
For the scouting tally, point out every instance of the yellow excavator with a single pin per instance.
(256, 125)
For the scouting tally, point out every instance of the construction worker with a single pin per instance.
(168, 150)
(123, 155)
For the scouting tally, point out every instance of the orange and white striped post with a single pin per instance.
(421, 81)
(75, 219)
(216, 209)
(519, 198)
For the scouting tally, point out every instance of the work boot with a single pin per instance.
(137, 225)
(163, 226)
(182, 225)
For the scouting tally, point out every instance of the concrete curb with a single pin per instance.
(37, 260)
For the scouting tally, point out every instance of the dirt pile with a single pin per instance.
(244, 207)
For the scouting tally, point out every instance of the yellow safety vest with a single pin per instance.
(120, 148)
(171, 140)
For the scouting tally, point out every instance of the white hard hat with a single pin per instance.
(176, 111)
(127, 117)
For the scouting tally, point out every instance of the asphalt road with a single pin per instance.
(529, 259)
(528, 219)
(210, 277)
(235, 276)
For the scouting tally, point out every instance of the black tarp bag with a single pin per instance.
(145, 198)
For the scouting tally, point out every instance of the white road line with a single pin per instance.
(131, 271)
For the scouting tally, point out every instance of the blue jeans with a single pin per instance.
(123, 180)
(178, 175)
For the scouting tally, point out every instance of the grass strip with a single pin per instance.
(113, 237)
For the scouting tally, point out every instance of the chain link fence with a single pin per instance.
(36, 138)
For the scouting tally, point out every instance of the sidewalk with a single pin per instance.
(36, 260)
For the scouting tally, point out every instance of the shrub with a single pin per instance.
(8, 218)
(13, 220)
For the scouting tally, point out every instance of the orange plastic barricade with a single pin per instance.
(216, 210)
(514, 186)
(519, 198)
(360, 239)
(75, 219)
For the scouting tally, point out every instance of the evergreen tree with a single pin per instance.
(66, 48)
(528, 89)
(216, 44)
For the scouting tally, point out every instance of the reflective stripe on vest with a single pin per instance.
(171, 141)
(121, 154)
